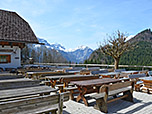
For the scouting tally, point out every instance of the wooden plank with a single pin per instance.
(23, 102)
(69, 79)
(98, 95)
(17, 98)
(121, 97)
(114, 92)
(95, 82)
(35, 105)
(5, 94)
(17, 83)
(40, 110)
(119, 85)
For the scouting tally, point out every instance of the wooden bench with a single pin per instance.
(6, 77)
(112, 90)
(119, 70)
(147, 85)
(85, 72)
(98, 72)
(36, 105)
(22, 93)
(135, 78)
(18, 83)
(144, 72)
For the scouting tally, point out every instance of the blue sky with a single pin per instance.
(73, 23)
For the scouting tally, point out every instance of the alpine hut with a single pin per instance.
(15, 32)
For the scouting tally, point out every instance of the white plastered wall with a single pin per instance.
(15, 57)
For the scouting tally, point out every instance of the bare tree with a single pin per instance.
(115, 46)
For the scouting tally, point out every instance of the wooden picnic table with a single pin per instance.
(91, 86)
(147, 82)
(110, 75)
(37, 75)
(61, 78)
(23, 92)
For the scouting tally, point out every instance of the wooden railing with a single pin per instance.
(95, 65)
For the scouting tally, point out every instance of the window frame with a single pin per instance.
(7, 58)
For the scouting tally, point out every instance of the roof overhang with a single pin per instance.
(22, 42)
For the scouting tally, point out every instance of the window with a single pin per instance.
(5, 58)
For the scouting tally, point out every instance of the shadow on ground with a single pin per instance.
(116, 106)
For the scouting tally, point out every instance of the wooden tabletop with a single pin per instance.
(66, 76)
(130, 72)
(146, 78)
(95, 82)
(41, 72)
(15, 80)
(109, 73)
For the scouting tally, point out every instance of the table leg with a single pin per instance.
(82, 91)
(53, 83)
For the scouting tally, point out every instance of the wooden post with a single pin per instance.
(102, 102)
(61, 99)
(129, 93)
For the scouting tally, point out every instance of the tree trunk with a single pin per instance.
(116, 63)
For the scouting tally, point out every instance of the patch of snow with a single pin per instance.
(37, 45)
(129, 37)
(48, 47)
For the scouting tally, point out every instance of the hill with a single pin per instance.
(140, 55)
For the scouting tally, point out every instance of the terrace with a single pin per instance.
(57, 77)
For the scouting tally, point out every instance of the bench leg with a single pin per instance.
(61, 89)
(137, 87)
(101, 105)
(53, 112)
(130, 96)
(115, 96)
(71, 94)
(148, 91)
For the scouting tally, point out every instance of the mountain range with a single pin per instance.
(140, 55)
(77, 55)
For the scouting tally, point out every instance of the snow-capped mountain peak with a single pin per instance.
(78, 54)
(78, 48)
(82, 47)
(57, 47)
